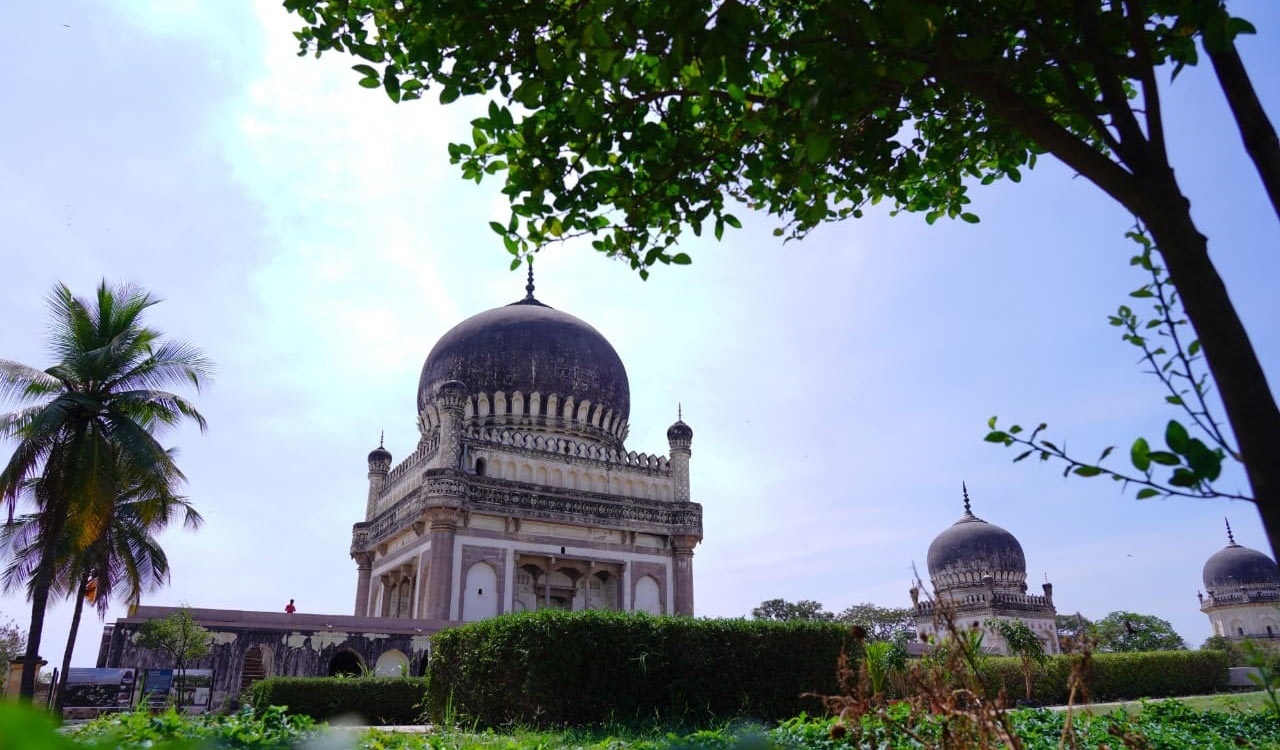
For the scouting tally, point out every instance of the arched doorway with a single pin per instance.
(255, 665)
(391, 663)
(346, 663)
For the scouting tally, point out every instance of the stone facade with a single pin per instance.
(526, 498)
(249, 645)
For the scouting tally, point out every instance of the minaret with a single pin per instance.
(379, 465)
(680, 437)
(450, 398)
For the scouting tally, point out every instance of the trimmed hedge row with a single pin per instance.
(373, 700)
(555, 668)
(1117, 676)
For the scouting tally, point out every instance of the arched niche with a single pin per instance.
(648, 596)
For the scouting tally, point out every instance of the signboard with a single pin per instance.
(160, 688)
(99, 690)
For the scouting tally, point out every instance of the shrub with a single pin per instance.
(1118, 676)
(580, 668)
(374, 700)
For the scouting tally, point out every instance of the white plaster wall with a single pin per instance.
(1252, 619)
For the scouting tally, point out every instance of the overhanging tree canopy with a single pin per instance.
(631, 121)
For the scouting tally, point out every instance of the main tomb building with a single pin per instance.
(521, 493)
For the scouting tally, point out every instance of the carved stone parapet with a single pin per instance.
(364, 560)
(439, 483)
(588, 508)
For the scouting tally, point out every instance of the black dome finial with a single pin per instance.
(965, 490)
(528, 288)
(679, 412)
(382, 436)
(1231, 540)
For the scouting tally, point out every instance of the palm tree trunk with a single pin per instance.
(41, 582)
(71, 644)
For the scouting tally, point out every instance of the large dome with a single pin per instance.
(530, 348)
(971, 549)
(1235, 566)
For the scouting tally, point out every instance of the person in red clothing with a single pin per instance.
(289, 608)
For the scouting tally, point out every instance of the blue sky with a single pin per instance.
(313, 238)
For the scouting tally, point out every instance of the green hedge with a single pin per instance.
(577, 668)
(373, 700)
(1118, 676)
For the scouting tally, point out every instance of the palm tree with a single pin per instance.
(93, 412)
(125, 558)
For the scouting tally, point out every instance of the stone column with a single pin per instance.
(682, 573)
(443, 527)
(364, 571)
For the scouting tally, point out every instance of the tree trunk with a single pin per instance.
(1255, 127)
(41, 582)
(71, 645)
(1250, 406)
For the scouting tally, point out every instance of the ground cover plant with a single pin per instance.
(1169, 725)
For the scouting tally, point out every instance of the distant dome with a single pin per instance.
(679, 431)
(532, 348)
(379, 455)
(1234, 566)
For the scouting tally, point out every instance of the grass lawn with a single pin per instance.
(1221, 702)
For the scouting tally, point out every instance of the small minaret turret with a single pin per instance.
(680, 437)
(379, 465)
(450, 399)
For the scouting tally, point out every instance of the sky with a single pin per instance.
(313, 239)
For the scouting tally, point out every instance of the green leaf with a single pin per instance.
(817, 146)
(516, 264)
(1140, 454)
(1088, 471)
(1023, 455)
(732, 221)
(1164, 458)
(971, 218)
(497, 227)
(996, 437)
(1176, 437)
(991, 423)
(370, 83)
(681, 259)
(1147, 492)
(367, 70)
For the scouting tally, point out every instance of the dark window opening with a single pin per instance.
(480, 467)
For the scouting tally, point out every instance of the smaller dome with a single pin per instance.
(380, 454)
(1235, 566)
(680, 431)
